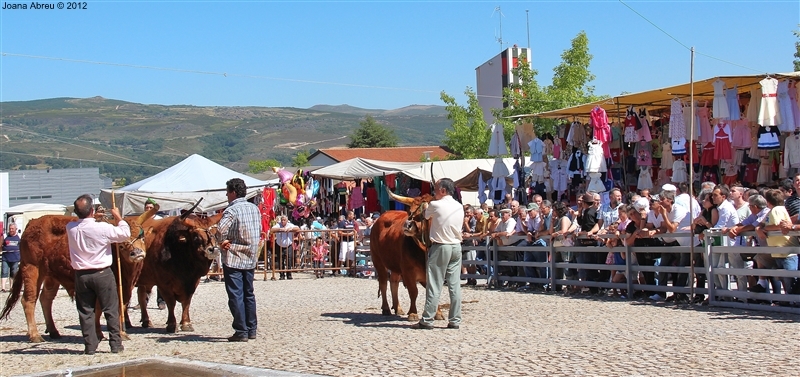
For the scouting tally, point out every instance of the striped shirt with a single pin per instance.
(241, 225)
(792, 205)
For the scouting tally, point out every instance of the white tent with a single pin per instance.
(180, 186)
(455, 169)
(363, 168)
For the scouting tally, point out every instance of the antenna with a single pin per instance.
(500, 38)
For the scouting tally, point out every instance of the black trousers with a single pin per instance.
(285, 259)
(92, 286)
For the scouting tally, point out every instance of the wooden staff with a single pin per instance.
(119, 276)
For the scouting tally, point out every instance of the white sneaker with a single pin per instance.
(656, 297)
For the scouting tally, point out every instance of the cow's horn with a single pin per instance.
(401, 199)
(143, 217)
(190, 210)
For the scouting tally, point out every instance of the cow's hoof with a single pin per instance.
(187, 327)
(386, 312)
(54, 335)
(147, 324)
(401, 312)
(124, 336)
(413, 317)
(171, 329)
(37, 339)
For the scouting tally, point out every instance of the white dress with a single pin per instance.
(720, 108)
(677, 127)
(679, 171)
(645, 178)
(497, 144)
(768, 114)
(785, 107)
(596, 162)
(595, 184)
(558, 173)
(537, 171)
(666, 156)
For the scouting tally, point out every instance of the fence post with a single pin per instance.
(628, 272)
(494, 274)
(553, 275)
(710, 280)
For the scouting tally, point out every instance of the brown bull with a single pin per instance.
(398, 245)
(45, 261)
(181, 250)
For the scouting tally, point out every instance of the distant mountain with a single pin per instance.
(132, 140)
(412, 110)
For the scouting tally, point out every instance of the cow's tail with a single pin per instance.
(13, 297)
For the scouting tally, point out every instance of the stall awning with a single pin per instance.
(363, 168)
(660, 98)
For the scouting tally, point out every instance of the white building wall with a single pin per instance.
(491, 80)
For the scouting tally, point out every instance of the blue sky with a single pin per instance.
(369, 54)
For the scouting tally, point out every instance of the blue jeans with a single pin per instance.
(241, 300)
(536, 256)
(789, 264)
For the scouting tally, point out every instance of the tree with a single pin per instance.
(469, 137)
(372, 135)
(300, 159)
(258, 166)
(797, 53)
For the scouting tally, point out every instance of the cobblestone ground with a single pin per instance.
(334, 327)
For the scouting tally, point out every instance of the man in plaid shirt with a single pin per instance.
(239, 232)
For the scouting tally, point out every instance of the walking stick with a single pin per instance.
(119, 277)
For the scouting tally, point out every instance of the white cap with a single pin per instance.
(669, 187)
(641, 204)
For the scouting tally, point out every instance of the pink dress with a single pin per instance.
(706, 133)
(722, 142)
(601, 129)
(741, 134)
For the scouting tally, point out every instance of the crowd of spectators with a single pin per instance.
(673, 217)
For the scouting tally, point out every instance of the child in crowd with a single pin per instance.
(319, 251)
(618, 258)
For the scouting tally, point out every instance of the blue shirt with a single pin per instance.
(241, 225)
(11, 248)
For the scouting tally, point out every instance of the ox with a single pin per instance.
(399, 245)
(45, 261)
(181, 251)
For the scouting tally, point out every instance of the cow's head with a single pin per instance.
(201, 233)
(417, 226)
(134, 246)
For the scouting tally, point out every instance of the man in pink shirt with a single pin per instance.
(90, 255)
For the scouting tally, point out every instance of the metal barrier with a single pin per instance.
(300, 258)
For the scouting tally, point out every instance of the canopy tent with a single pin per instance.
(616, 106)
(363, 168)
(456, 169)
(181, 185)
(469, 182)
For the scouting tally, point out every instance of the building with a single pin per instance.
(51, 186)
(326, 157)
(495, 75)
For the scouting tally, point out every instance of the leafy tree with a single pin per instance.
(372, 135)
(300, 159)
(469, 137)
(259, 166)
(797, 53)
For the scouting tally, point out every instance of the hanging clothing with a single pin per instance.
(644, 154)
(707, 158)
(631, 123)
(679, 172)
(557, 148)
(547, 149)
(753, 108)
(741, 134)
(516, 148)
(720, 106)
(764, 170)
(536, 147)
(791, 152)
(558, 175)
(794, 104)
(768, 114)
(596, 161)
(678, 147)
(704, 126)
(687, 120)
(666, 156)
(601, 130)
(677, 128)
(537, 171)
(645, 178)
(785, 107)
(732, 96)
(497, 190)
(644, 132)
(576, 164)
(768, 138)
(497, 143)
(722, 141)
(577, 135)
(595, 183)
(481, 190)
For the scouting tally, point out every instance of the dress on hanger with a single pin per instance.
(741, 134)
(596, 162)
(558, 175)
(768, 138)
(795, 105)
(631, 121)
(497, 143)
(707, 159)
(764, 170)
(645, 178)
(754, 105)
(644, 154)
(644, 132)
(722, 141)
(678, 147)
(720, 107)
(785, 107)
(595, 184)
(537, 171)
(679, 171)
(791, 152)
(768, 114)
(677, 127)
(547, 148)
(687, 121)
(706, 133)
(732, 96)
(601, 130)
(666, 156)
(536, 147)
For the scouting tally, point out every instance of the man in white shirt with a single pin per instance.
(728, 218)
(90, 257)
(444, 254)
(284, 240)
(674, 218)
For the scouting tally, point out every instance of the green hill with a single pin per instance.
(134, 140)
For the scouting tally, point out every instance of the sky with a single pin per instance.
(370, 54)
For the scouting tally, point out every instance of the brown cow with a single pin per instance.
(45, 261)
(399, 252)
(181, 250)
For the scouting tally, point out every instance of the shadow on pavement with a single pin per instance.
(370, 319)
